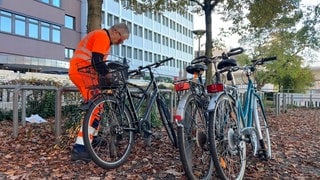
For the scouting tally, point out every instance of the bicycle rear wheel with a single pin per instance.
(166, 120)
(116, 137)
(227, 148)
(193, 141)
(264, 150)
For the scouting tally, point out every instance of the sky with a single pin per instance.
(217, 23)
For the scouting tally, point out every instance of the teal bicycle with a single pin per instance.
(233, 123)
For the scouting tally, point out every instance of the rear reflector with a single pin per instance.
(181, 86)
(213, 88)
(178, 117)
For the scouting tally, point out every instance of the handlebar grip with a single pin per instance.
(269, 58)
(235, 51)
(262, 60)
(198, 59)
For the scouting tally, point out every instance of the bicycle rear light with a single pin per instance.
(178, 118)
(213, 88)
(181, 86)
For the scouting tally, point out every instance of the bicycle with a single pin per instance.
(233, 124)
(120, 118)
(191, 119)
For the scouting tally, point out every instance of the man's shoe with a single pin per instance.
(77, 155)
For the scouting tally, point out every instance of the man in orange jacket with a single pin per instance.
(92, 50)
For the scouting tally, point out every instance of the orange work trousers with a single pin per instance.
(82, 81)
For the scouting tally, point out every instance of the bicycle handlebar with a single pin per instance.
(153, 65)
(262, 60)
(255, 62)
(206, 60)
(235, 51)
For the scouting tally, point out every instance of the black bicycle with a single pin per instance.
(120, 110)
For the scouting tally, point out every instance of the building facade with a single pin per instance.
(41, 35)
(154, 36)
(37, 34)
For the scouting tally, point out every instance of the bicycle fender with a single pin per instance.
(213, 100)
(179, 116)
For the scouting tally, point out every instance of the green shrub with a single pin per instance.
(42, 103)
(6, 115)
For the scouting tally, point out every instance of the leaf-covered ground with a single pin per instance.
(33, 154)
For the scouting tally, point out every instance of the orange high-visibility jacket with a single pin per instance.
(96, 41)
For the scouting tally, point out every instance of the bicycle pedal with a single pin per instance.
(148, 132)
(262, 154)
(157, 135)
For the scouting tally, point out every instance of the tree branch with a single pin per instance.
(198, 3)
(214, 3)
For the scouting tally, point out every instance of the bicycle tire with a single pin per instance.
(166, 120)
(193, 141)
(264, 150)
(115, 129)
(227, 148)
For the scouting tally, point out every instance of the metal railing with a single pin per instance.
(14, 97)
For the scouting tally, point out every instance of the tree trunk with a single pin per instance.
(208, 50)
(94, 15)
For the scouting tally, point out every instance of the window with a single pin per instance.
(55, 3)
(145, 56)
(69, 22)
(45, 31)
(116, 50)
(116, 20)
(135, 53)
(123, 50)
(140, 55)
(146, 33)
(150, 56)
(68, 53)
(109, 20)
(33, 30)
(129, 52)
(129, 26)
(135, 29)
(28, 27)
(150, 35)
(5, 22)
(20, 25)
(56, 34)
(140, 31)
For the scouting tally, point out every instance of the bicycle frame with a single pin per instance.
(151, 91)
(196, 88)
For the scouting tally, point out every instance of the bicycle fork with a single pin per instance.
(262, 149)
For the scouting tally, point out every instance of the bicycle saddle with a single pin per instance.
(195, 68)
(226, 63)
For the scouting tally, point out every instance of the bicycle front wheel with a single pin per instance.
(226, 145)
(193, 141)
(113, 127)
(264, 150)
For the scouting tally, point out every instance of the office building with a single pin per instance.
(41, 35)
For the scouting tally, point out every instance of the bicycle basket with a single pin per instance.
(116, 76)
(89, 76)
